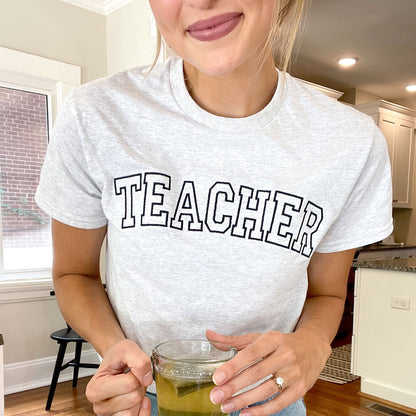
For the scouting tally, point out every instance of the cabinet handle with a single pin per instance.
(395, 200)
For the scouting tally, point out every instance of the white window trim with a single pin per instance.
(38, 74)
(104, 7)
(55, 79)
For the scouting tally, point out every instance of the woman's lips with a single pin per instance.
(214, 28)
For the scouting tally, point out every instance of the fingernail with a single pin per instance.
(245, 412)
(148, 379)
(145, 403)
(227, 407)
(219, 377)
(216, 396)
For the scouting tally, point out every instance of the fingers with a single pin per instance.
(237, 341)
(102, 388)
(255, 352)
(128, 403)
(127, 396)
(265, 392)
(266, 395)
(272, 405)
(255, 375)
(262, 391)
(115, 391)
(145, 408)
(250, 376)
(127, 354)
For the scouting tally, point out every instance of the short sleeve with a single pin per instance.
(367, 214)
(68, 189)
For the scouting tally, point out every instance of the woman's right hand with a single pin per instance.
(114, 390)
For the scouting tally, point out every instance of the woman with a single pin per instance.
(232, 197)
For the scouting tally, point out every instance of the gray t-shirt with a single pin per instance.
(212, 221)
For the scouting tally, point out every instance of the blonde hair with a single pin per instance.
(284, 30)
(282, 35)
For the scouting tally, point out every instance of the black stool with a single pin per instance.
(63, 337)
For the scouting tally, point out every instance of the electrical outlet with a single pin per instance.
(400, 303)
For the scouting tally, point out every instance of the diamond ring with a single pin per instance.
(279, 381)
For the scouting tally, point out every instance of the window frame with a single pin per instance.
(23, 71)
(12, 275)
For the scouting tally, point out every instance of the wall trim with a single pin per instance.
(34, 73)
(36, 373)
(38, 67)
(375, 106)
(327, 91)
(25, 291)
(390, 393)
(104, 7)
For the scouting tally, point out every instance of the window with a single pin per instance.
(25, 239)
(32, 89)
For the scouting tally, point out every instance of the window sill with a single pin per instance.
(25, 287)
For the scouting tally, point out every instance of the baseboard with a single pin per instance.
(32, 374)
(392, 394)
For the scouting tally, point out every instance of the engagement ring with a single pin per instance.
(279, 381)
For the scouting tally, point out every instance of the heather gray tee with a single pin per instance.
(212, 221)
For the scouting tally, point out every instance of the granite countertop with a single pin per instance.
(407, 264)
(378, 246)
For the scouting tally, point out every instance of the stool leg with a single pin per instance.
(56, 371)
(78, 348)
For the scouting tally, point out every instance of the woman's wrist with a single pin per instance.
(314, 335)
(103, 346)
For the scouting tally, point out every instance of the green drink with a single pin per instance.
(183, 374)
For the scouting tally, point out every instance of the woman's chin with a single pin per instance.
(215, 67)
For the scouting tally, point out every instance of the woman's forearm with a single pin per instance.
(85, 306)
(78, 287)
(327, 286)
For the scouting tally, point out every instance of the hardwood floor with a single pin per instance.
(66, 402)
(324, 399)
(329, 399)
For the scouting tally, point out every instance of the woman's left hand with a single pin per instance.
(298, 358)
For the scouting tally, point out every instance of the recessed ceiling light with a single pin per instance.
(411, 88)
(347, 62)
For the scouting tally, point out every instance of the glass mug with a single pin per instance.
(183, 371)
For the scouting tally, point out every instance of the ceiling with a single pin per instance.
(381, 33)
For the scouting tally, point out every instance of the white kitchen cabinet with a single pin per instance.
(384, 336)
(398, 126)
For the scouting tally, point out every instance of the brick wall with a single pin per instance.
(23, 142)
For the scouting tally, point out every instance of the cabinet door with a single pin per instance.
(387, 126)
(400, 141)
(403, 165)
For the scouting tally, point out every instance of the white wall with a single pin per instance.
(129, 38)
(56, 30)
(29, 352)
(26, 324)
